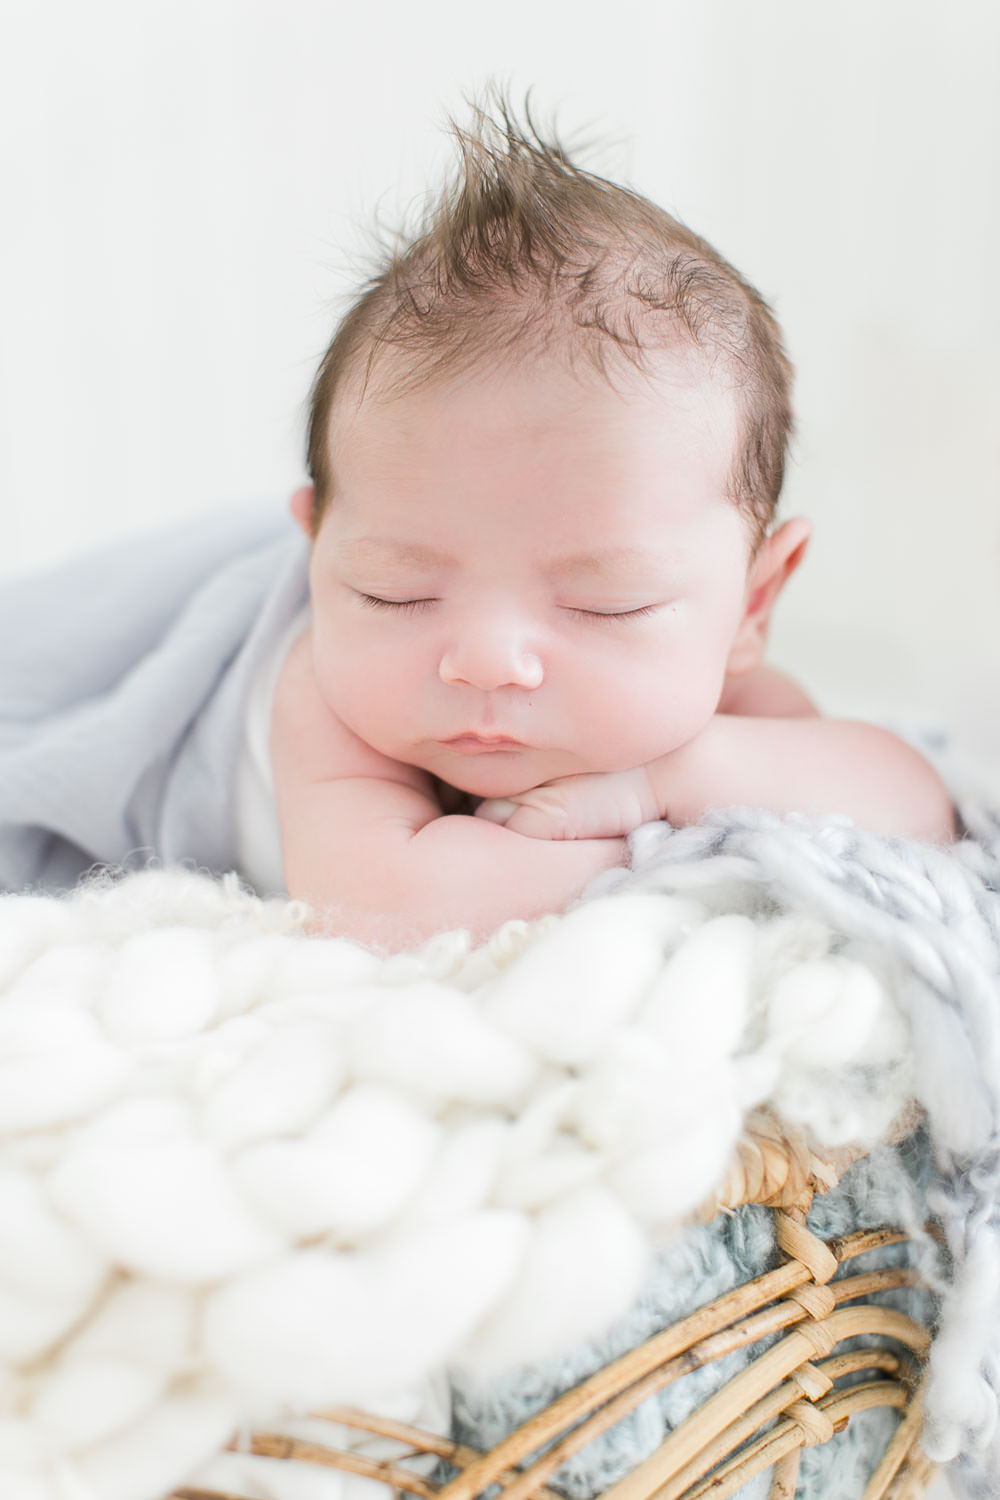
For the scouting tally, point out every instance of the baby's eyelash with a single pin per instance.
(410, 606)
(613, 614)
(404, 606)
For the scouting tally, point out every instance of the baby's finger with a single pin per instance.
(547, 821)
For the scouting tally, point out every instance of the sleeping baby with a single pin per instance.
(546, 445)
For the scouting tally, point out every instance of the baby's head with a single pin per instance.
(547, 443)
(526, 255)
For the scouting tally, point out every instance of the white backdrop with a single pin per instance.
(186, 187)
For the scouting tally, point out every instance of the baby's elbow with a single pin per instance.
(942, 825)
(921, 803)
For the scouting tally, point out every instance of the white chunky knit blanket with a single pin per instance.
(245, 1173)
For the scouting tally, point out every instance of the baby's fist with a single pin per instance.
(599, 805)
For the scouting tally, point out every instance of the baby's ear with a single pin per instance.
(303, 507)
(777, 558)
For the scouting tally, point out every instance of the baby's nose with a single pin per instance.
(489, 658)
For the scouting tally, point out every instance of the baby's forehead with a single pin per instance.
(397, 390)
(593, 481)
(536, 444)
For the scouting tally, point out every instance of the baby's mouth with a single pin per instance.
(483, 744)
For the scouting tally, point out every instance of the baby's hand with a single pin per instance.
(600, 805)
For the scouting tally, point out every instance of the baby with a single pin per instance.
(547, 443)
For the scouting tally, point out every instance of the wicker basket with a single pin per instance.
(786, 1399)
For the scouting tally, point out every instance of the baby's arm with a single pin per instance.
(805, 764)
(365, 844)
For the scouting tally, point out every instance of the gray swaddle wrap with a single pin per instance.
(123, 682)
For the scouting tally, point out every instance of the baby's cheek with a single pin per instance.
(353, 689)
(365, 692)
(352, 670)
(332, 681)
(648, 713)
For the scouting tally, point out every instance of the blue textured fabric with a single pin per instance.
(123, 680)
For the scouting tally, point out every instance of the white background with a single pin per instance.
(186, 189)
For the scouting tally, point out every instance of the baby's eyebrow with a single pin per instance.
(604, 561)
(600, 563)
(376, 549)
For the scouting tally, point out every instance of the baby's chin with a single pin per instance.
(494, 786)
(497, 775)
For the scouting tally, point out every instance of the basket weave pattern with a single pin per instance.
(786, 1399)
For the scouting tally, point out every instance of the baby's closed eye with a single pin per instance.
(611, 614)
(403, 606)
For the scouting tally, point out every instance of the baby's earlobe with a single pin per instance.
(747, 650)
(303, 507)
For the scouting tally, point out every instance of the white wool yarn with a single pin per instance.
(316, 1327)
(585, 1251)
(159, 1202)
(349, 1176)
(244, 1172)
(613, 954)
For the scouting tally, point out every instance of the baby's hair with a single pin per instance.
(525, 252)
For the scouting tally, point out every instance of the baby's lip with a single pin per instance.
(472, 741)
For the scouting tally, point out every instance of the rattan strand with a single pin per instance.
(789, 1390)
